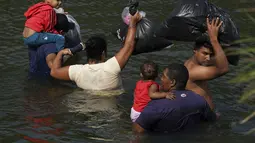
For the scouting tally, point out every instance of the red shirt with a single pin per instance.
(41, 17)
(141, 95)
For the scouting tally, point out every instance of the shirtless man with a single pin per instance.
(201, 66)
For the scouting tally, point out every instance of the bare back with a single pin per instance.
(27, 32)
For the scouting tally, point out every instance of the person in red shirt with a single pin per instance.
(40, 25)
(147, 89)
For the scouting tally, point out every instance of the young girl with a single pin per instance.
(147, 89)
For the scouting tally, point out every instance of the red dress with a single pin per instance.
(141, 95)
(41, 17)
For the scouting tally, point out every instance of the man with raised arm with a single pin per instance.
(98, 73)
(208, 62)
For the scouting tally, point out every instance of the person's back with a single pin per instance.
(100, 76)
(186, 110)
(141, 94)
(41, 17)
(38, 59)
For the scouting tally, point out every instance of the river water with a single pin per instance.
(44, 111)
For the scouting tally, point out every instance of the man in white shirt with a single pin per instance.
(98, 74)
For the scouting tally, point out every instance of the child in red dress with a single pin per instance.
(147, 89)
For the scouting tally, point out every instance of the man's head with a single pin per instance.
(62, 24)
(175, 76)
(96, 49)
(203, 52)
(149, 70)
(54, 3)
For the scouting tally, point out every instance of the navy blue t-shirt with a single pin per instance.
(164, 115)
(37, 59)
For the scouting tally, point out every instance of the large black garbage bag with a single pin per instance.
(187, 22)
(145, 40)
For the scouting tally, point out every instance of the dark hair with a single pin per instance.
(95, 46)
(149, 70)
(179, 73)
(202, 42)
(62, 23)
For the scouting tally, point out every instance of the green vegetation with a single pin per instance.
(246, 73)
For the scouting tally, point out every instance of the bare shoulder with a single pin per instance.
(189, 64)
(200, 72)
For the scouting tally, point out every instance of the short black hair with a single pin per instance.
(62, 23)
(179, 73)
(202, 42)
(149, 70)
(95, 46)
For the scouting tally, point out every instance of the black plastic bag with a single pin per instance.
(187, 22)
(145, 41)
(73, 36)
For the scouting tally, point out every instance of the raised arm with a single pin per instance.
(221, 63)
(125, 52)
(57, 71)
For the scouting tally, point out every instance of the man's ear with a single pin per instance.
(172, 83)
(103, 56)
(104, 53)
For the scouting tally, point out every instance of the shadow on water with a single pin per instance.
(47, 110)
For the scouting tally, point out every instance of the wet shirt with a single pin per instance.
(37, 59)
(101, 76)
(141, 95)
(164, 115)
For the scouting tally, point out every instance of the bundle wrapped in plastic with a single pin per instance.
(187, 22)
(73, 34)
(145, 40)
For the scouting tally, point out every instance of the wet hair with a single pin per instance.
(179, 73)
(202, 42)
(149, 70)
(62, 23)
(95, 46)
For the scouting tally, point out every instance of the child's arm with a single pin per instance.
(154, 94)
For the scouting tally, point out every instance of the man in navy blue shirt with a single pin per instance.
(41, 59)
(164, 115)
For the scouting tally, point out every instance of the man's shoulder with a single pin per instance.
(187, 96)
(112, 65)
(189, 93)
(190, 65)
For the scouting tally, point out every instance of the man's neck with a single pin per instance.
(194, 60)
(91, 62)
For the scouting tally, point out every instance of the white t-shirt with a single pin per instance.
(102, 76)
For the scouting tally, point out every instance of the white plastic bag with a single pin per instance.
(73, 36)
(125, 15)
